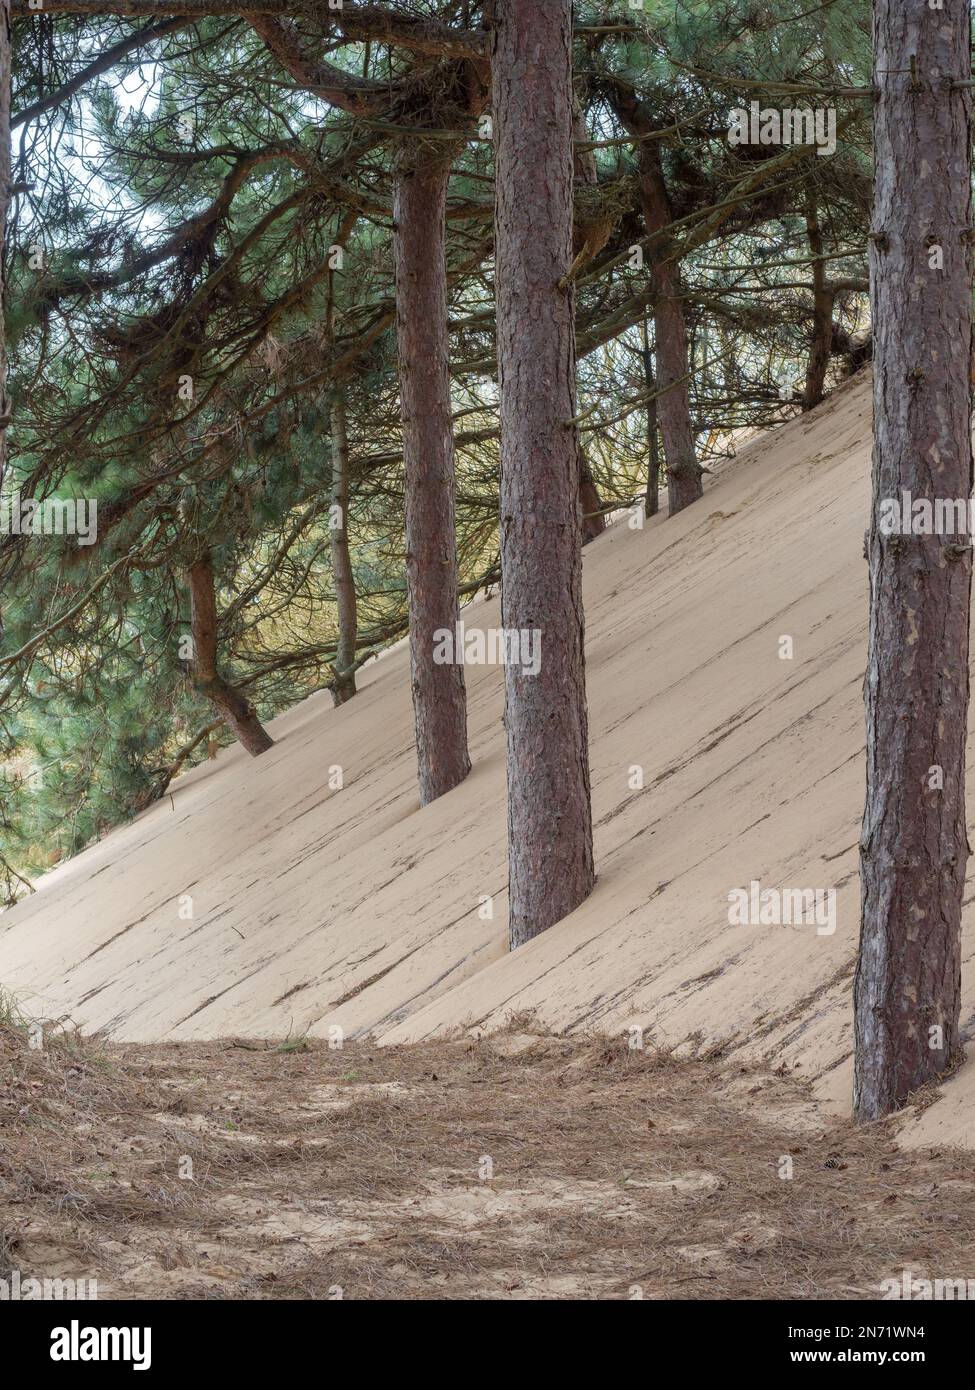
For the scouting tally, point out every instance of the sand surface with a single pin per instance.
(513, 1167)
(314, 907)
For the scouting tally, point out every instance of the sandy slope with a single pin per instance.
(313, 907)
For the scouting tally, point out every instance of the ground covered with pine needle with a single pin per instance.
(514, 1167)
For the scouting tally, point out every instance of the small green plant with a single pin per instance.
(11, 1014)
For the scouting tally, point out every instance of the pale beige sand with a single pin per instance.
(315, 907)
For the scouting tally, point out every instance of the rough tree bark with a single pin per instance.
(236, 711)
(343, 687)
(439, 693)
(821, 343)
(550, 855)
(914, 848)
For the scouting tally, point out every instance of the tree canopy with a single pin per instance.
(201, 311)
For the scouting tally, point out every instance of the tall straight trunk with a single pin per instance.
(550, 859)
(822, 327)
(439, 693)
(5, 167)
(914, 848)
(584, 171)
(684, 473)
(235, 710)
(652, 505)
(343, 686)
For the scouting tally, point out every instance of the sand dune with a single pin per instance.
(314, 906)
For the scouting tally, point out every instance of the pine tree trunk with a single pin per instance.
(822, 328)
(343, 687)
(236, 711)
(652, 505)
(914, 847)
(4, 206)
(550, 856)
(684, 474)
(439, 693)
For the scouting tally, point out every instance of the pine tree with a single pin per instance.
(439, 692)
(914, 846)
(550, 856)
(180, 366)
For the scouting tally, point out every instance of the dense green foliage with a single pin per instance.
(201, 261)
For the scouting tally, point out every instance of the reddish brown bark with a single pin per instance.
(235, 710)
(914, 847)
(550, 856)
(343, 685)
(439, 694)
